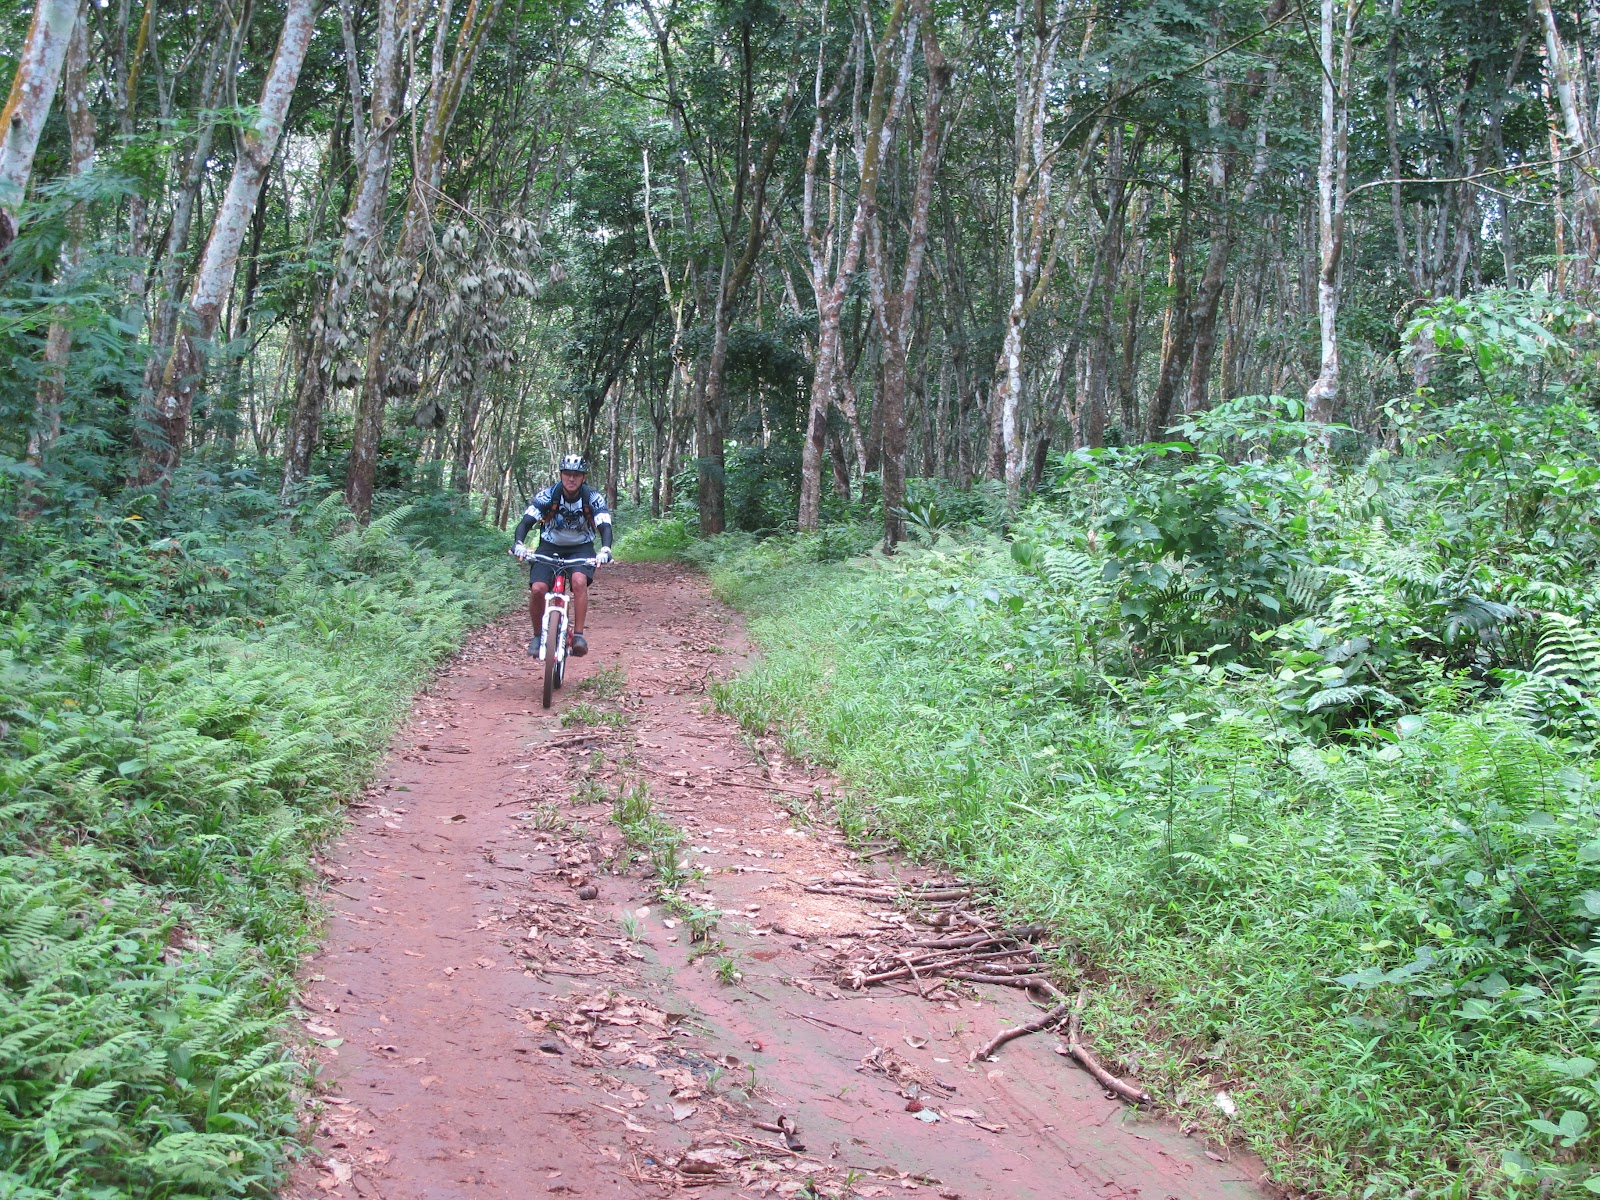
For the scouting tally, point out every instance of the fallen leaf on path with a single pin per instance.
(338, 1174)
(485, 963)
(682, 1112)
(429, 1080)
(708, 1159)
(916, 1043)
(414, 954)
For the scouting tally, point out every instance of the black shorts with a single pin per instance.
(545, 573)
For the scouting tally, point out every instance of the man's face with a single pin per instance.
(570, 481)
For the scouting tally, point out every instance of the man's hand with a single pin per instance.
(519, 550)
(605, 554)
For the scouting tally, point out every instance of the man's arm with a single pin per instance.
(538, 513)
(602, 522)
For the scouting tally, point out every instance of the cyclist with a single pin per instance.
(569, 514)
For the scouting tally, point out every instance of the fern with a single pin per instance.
(331, 512)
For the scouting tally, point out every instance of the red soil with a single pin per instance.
(489, 1033)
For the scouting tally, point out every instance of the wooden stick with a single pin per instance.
(1042, 1021)
(910, 966)
(820, 1021)
(1018, 981)
(1076, 1048)
(928, 962)
(1023, 933)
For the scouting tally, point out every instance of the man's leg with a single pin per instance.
(536, 595)
(580, 600)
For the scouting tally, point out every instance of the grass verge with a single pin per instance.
(181, 717)
(1374, 947)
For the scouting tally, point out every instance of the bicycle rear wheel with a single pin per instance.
(552, 664)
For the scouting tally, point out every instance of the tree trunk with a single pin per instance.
(174, 402)
(1332, 168)
(1582, 136)
(362, 224)
(894, 303)
(33, 90)
(466, 438)
(830, 280)
(1175, 331)
(614, 448)
(58, 344)
(841, 466)
(1036, 44)
(711, 462)
(445, 92)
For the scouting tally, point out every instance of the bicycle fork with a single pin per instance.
(555, 620)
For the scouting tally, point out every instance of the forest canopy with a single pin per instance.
(781, 257)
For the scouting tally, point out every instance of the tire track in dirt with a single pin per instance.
(503, 1009)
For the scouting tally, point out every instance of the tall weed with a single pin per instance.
(1375, 937)
(184, 709)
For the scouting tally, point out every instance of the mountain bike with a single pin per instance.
(557, 627)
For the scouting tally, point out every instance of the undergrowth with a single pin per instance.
(1299, 763)
(182, 710)
(1375, 947)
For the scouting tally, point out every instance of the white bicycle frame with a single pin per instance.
(556, 602)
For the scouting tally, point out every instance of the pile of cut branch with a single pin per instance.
(958, 944)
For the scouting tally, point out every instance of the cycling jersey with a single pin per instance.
(567, 522)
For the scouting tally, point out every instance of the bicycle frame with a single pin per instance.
(555, 605)
(556, 601)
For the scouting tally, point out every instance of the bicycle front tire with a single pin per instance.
(552, 663)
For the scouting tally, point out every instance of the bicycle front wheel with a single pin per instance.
(552, 660)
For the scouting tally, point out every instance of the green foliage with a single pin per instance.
(646, 834)
(1299, 758)
(655, 541)
(181, 711)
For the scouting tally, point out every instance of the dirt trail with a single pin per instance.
(490, 1032)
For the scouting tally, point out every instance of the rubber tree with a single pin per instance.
(894, 298)
(33, 91)
(58, 342)
(830, 265)
(325, 356)
(395, 296)
(1226, 121)
(161, 442)
(741, 216)
(1580, 130)
(1336, 62)
(1036, 33)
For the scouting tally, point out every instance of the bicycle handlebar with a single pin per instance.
(549, 558)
